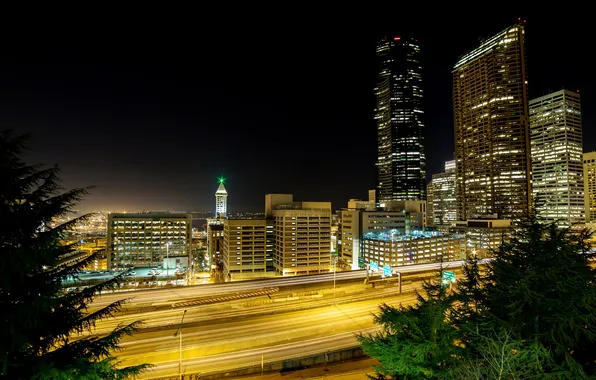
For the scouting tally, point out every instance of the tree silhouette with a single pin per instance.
(42, 335)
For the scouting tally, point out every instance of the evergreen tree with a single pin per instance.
(42, 335)
(498, 356)
(468, 309)
(542, 288)
(417, 342)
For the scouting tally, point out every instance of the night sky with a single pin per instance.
(151, 110)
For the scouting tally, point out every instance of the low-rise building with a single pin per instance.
(482, 234)
(417, 247)
(361, 218)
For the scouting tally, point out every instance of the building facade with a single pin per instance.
(302, 235)
(444, 205)
(590, 186)
(491, 127)
(482, 235)
(401, 162)
(557, 157)
(401, 216)
(215, 238)
(148, 240)
(394, 249)
(430, 212)
(221, 200)
(245, 247)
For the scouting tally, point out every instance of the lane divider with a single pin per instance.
(209, 300)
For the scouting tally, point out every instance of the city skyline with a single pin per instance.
(155, 132)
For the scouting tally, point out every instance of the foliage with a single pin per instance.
(498, 356)
(417, 341)
(529, 313)
(43, 326)
(541, 287)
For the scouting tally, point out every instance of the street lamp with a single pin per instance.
(175, 334)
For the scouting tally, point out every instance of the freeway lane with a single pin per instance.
(252, 357)
(293, 322)
(281, 302)
(234, 343)
(178, 294)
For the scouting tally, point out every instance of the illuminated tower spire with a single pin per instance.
(221, 199)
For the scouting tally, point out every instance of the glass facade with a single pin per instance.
(491, 126)
(401, 162)
(557, 157)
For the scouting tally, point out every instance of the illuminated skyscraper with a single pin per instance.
(221, 200)
(444, 208)
(490, 108)
(401, 163)
(590, 186)
(557, 158)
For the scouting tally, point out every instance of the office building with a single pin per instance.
(444, 205)
(359, 219)
(557, 157)
(401, 162)
(482, 235)
(430, 212)
(418, 247)
(149, 240)
(302, 235)
(215, 239)
(215, 229)
(245, 248)
(492, 148)
(590, 186)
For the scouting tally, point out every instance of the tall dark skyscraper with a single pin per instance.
(490, 107)
(401, 163)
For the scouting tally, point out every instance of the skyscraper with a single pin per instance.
(557, 157)
(491, 126)
(444, 206)
(401, 163)
(221, 200)
(590, 186)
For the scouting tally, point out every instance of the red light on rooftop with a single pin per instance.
(396, 38)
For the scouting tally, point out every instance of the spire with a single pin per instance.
(221, 189)
(221, 199)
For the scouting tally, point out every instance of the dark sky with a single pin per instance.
(153, 108)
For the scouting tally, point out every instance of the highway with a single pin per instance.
(178, 294)
(303, 316)
(215, 344)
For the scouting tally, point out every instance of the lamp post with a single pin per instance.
(179, 332)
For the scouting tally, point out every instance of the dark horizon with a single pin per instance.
(153, 116)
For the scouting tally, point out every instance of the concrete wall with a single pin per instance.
(279, 366)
